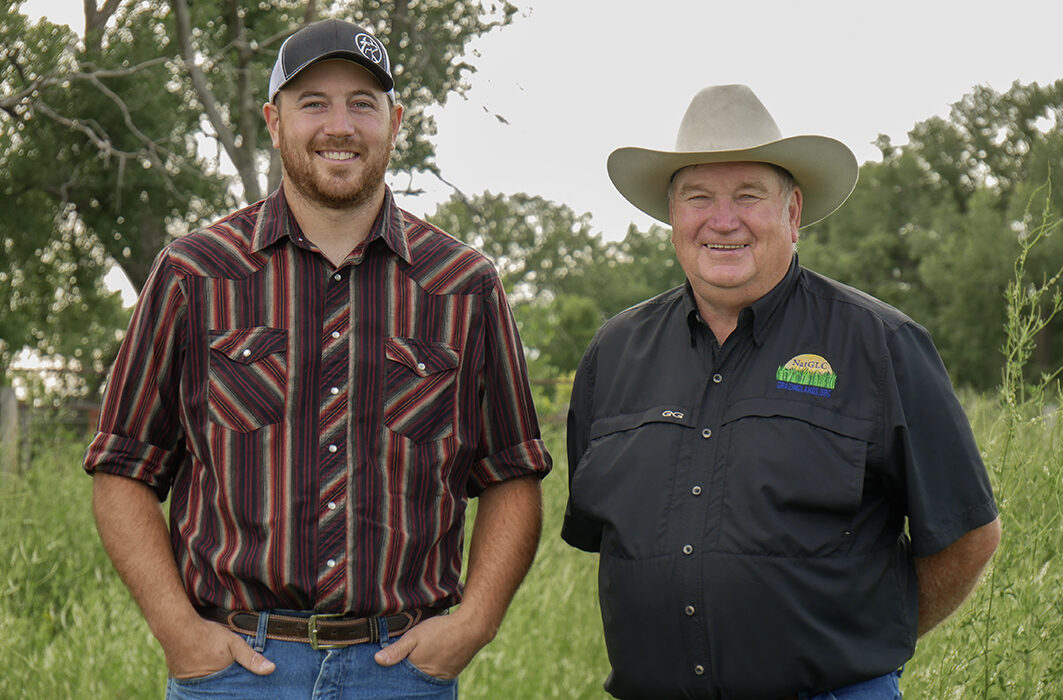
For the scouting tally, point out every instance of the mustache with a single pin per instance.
(336, 144)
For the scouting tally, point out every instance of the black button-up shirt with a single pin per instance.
(749, 501)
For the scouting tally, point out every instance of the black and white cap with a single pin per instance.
(330, 38)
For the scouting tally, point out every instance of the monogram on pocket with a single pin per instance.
(419, 399)
(248, 375)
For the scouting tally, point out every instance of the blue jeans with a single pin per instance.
(304, 673)
(885, 687)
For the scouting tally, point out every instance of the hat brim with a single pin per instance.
(824, 168)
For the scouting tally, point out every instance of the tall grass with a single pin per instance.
(1007, 642)
(68, 629)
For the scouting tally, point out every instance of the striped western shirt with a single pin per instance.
(319, 429)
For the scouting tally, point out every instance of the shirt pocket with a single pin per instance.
(247, 377)
(419, 396)
(624, 479)
(794, 478)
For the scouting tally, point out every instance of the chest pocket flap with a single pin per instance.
(423, 357)
(247, 345)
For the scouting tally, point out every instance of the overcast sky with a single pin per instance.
(575, 79)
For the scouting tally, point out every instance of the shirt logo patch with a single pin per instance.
(807, 374)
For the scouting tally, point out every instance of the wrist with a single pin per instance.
(479, 625)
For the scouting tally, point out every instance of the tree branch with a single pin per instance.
(199, 81)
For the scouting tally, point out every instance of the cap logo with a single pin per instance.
(370, 48)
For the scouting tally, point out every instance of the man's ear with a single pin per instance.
(794, 213)
(396, 122)
(272, 114)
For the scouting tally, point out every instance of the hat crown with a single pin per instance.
(725, 118)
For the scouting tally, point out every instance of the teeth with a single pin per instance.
(722, 246)
(337, 155)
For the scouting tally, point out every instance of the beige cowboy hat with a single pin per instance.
(727, 123)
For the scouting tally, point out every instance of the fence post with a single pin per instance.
(9, 432)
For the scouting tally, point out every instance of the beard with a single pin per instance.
(334, 185)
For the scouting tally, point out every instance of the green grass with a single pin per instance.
(68, 629)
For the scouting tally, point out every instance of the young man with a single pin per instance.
(318, 383)
(745, 450)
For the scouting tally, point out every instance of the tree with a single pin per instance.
(140, 115)
(934, 228)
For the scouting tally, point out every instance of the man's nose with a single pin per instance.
(339, 122)
(723, 215)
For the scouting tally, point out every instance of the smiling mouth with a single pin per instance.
(338, 155)
(725, 246)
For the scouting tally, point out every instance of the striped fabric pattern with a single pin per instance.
(319, 430)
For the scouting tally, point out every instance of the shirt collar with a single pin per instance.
(276, 222)
(762, 310)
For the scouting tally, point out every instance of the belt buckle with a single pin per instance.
(311, 630)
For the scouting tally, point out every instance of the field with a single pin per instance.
(68, 629)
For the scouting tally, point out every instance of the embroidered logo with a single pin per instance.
(370, 48)
(807, 374)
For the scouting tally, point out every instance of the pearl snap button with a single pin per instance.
(706, 433)
(420, 366)
(687, 549)
(246, 353)
(696, 490)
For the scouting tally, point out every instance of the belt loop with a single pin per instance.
(380, 625)
(260, 633)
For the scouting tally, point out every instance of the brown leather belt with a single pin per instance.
(320, 631)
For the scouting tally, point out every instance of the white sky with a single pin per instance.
(576, 79)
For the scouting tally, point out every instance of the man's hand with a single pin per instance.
(440, 646)
(509, 520)
(208, 647)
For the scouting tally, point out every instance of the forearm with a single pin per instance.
(133, 530)
(505, 537)
(948, 577)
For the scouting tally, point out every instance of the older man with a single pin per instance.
(319, 382)
(783, 487)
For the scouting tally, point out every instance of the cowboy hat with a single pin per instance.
(727, 123)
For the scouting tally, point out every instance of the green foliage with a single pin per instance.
(933, 228)
(1006, 642)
